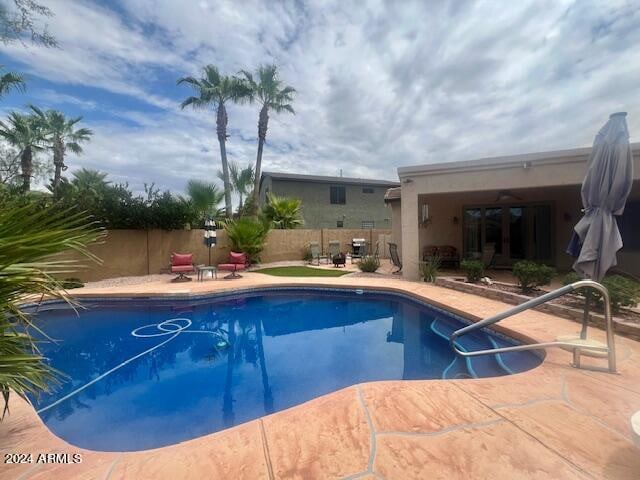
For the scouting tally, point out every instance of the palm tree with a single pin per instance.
(241, 181)
(214, 89)
(205, 198)
(61, 135)
(30, 237)
(283, 213)
(10, 81)
(268, 91)
(24, 133)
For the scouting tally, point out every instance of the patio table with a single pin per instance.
(201, 269)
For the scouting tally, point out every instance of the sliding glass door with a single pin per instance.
(512, 232)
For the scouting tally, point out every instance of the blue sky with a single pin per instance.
(380, 84)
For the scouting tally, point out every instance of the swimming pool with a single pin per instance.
(145, 373)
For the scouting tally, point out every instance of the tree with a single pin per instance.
(10, 81)
(30, 237)
(61, 135)
(214, 89)
(205, 198)
(23, 132)
(266, 89)
(241, 181)
(22, 20)
(283, 213)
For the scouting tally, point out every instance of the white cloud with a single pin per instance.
(381, 85)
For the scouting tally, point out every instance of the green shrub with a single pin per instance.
(623, 292)
(247, 235)
(531, 274)
(72, 282)
(369, 264)
(429, 268)
(571, 277)
(474, 269)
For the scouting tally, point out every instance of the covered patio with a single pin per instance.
(519, 207)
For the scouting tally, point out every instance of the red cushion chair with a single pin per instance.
(237, 261)
(182, 263)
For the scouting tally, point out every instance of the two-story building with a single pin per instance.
(332, 202)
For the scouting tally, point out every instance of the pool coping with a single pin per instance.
(523, 329)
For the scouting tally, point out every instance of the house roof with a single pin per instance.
(295, 177)
(550, 157)
(392, 194)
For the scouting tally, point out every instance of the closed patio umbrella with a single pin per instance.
(210, 236)
(605, 189)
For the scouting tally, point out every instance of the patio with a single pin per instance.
(551, 422)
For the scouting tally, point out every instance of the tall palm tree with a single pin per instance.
(23, 132)
(269, 91)
(214, 89)
(241, 181)
(61, 135)
(10, 81)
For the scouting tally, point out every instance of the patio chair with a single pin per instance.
(488, 254)
(395, 258)
(335, 255)
(449, 256)
(182, 263)
(237, 262)
(316, 253)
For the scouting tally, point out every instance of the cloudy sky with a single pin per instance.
(380, 85)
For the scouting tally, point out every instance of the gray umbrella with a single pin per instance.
(604, 193)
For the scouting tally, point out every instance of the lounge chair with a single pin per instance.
(316, 254)
(395, 258)
(360, 248)
(237, 262)
(182, 263)
(488, 254)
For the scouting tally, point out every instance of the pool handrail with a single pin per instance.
(577, 345)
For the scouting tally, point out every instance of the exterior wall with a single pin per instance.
(396, 224)
(447, 188)
(138, 252)
(317, 210)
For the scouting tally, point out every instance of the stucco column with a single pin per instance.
(410, 233)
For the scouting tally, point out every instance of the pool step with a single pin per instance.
(484, 366)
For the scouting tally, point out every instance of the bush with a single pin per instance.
(570, 278)
(623, 292)
(531, 274)
(474, 269)
(247, 235)
(369, 264)
(72, 282)
(429, 268)
(307, 256)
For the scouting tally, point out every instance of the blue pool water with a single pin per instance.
(147, 373)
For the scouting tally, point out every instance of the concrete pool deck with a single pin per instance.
(552, 422)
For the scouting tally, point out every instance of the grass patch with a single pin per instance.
(301, 271)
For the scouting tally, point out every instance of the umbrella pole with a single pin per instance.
(209, 255)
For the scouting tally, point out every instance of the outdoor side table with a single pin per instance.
(206, 268)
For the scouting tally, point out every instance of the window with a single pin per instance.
(338, 195)
(368, 224)
(339, 224)
(367, 190)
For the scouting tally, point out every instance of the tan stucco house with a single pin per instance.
(524, 206)
(332, 202)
